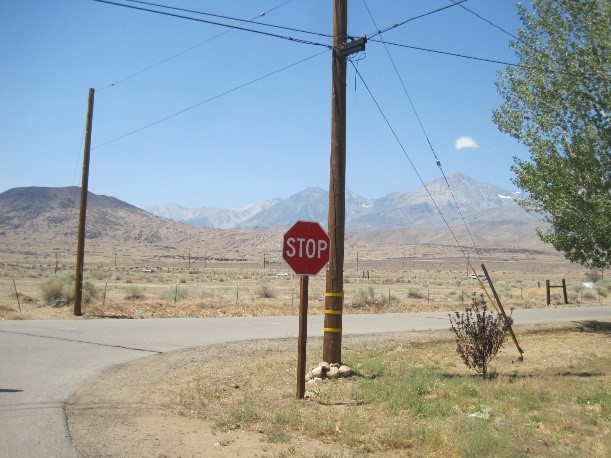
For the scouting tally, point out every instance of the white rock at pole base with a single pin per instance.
(333, 372)
(345, 371)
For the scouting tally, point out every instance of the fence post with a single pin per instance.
(17, 295)
(548, 294)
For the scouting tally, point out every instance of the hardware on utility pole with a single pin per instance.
(332, 341)
(80, 249)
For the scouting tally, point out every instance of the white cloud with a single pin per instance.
(465, 142)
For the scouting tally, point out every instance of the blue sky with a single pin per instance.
(266, 139)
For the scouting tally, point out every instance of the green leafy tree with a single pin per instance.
(557, 102)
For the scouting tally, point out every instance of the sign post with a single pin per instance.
(306, 250)
(303, 335)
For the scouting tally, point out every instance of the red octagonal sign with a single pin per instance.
(306, 247)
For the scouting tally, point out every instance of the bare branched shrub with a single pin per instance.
(479, 334)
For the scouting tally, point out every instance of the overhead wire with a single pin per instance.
(485, 20)
(402, 23)
(379, 32)
(253, 21)
(210, 99)
(497, 307)
(422, 128)
(447, 53)
(240, 20)
(398, 140)
(496, 304)
(220, 24)
(185, 51)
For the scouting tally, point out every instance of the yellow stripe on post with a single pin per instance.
(332, 330)
(334, 294)
(333, 312)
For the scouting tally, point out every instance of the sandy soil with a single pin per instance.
(137, 409)
(134, 409)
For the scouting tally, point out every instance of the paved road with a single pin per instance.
(43, 362)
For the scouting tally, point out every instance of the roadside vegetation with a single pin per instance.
(47, 291)
(416, 397)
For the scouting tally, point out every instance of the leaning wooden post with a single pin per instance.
(80, 250)
(502, 311)
(566, 299)
(548, 296)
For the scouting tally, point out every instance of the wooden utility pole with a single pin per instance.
(332, 341)
(334, 295)
(80, 250)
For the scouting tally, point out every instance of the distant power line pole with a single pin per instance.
(334, 295)
(80, 250)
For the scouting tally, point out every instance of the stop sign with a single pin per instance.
(306, 247)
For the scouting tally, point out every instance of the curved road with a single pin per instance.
(43, 362)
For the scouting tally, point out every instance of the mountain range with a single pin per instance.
(461, 197)
(42, 221)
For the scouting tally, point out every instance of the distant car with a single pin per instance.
(480, 276)
(147, 270)
(282, 274)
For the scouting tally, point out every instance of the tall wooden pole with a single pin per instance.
(80, 250)
(332, 341)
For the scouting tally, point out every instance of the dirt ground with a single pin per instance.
(137, 409)
(134, 410)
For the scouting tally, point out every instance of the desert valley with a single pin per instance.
(399, 256)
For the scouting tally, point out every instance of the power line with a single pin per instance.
(485, 20)
(437, 161)
(220, 24)
(447, 53)
(394, 133)
(241, 21)
(402, 23)
(481, 59)
(210, 99)
(167, 59)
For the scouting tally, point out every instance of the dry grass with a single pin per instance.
(243, 289)
(415, 397)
